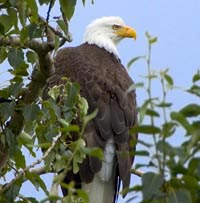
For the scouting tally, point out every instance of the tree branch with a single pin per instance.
(65, 38)
(38, 161)
(39, 171)
(36, 45)
(38, 77)
(137, 172)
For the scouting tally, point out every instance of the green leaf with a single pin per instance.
(150, 38)
(69, 128)
(54, 92)
(93, 151)
(191, 110)
(143, 109)
(22, 8)
(195, 89)
(180, 118)
(15, 57)
(165, 147)
(194, 167)
(196, 77)
(15, 89)
(37, 181)
(13, 191)
(97, 152)
(83, 106)
(83, 2)
(30, 112)
(196, 126)
(63, 26)
(146, 129)
(134, 86)
(6, 110)
(169, 79)
(44, 2)
(180, 196)
(24, 35)
(2, 32)
(146, 144)
(34, 10)
(141, 153)
(72, 93)
(164, 104)
(168, 128)
(82, 196)
(90, 116)
(153, 40)
(25, 139)
(151, 184)
(133, 60)
(6, 22)
(63, 122)
(19, 160)
(31, 57)
(53, 109)
(76, 165)
(20, 70)
(34, 31)
(152, 113)
(190, 181)
(68, 7)
(11, 141)
(79, 155)
(3, 54)
(4, 92)
(12, 13)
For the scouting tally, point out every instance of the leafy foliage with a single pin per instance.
(27, 41)
(174, 178)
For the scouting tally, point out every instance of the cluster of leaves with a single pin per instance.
(175, 172)
(27, 39)
(44, 121)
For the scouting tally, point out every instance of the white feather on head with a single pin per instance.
(100, 32)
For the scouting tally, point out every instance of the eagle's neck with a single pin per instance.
(102, 42)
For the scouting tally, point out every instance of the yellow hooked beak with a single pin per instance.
(125, 31)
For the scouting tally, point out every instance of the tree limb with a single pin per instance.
(39, 171)
(36, 45)
(38, 161)
(137, 172)
(65, 38)
(38, 78)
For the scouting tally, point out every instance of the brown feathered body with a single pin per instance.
(104, 83)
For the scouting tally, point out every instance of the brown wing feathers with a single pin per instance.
(103, 82)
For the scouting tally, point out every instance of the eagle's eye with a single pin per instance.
(115, 27)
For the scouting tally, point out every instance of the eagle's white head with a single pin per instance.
(107, 32)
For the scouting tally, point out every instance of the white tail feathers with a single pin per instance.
(101, 189)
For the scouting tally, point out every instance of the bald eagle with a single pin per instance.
(104, 81)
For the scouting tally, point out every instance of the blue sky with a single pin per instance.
(176, 24)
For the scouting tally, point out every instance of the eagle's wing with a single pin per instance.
(104, 82)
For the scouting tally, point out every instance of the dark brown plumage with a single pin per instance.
(104, 82)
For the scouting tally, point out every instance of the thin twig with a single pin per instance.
(38, 161)
(150, 98)
(39, 171)
(49, 10)
(36, 45)
(67, 38)
(137, 172)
